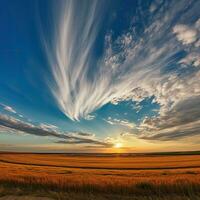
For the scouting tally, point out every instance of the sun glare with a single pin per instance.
(118, 145)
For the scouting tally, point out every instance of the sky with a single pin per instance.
(99, 76)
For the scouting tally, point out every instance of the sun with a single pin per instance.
(118, 145)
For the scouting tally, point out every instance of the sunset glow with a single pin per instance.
(96, 75)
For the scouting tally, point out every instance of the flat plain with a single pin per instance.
(100, 176)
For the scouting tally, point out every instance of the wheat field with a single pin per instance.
(68, 176)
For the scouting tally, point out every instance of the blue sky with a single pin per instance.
(93, 76)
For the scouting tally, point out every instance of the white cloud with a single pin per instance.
(120, 122)
(182, 120)
(126, 134)
(90, 117)
(190, 35)
(11, 110)
(132, 67)
(185, 34)
(8, 108)
(191, 59)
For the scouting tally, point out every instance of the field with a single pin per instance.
(101, 177)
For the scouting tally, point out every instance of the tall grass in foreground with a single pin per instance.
(32, 184)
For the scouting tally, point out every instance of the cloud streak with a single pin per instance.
(133, 66)
(119, 122)
(8, 108)
(11, 124)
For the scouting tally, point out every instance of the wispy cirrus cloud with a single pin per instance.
(8, 108)
(133, 66)
(11, 110)
(118, 74)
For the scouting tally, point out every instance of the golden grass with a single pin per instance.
(119, 175)
(105, 161)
